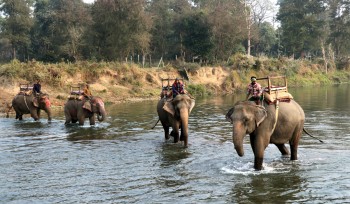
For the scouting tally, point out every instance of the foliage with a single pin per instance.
(16, 26)
(197, 90)
(200, 31)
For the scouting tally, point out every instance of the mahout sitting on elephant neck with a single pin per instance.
(76, 111)
(261, 123)
(175, 113)
(31, 104)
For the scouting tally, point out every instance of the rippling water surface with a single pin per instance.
(123, 160)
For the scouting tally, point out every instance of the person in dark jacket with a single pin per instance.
(37, 87)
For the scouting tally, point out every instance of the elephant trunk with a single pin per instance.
(102, 115)
(237, 138)
(184, 113)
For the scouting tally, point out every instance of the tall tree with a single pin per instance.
(162, 29)
(196, 35)
(339, 21)
(227, 26)
(301, 25)
(267, 39)
(121, 28)
(16, 25)
(59, 28)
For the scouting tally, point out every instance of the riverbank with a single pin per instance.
(117, 83)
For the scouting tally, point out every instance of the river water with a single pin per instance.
(124, 160)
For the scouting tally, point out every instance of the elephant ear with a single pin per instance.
(87, 106)
(229, 114)
(260, 115)
(169, 107)
(35, 102)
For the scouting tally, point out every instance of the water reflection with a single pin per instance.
(172, 154)
(266, 188)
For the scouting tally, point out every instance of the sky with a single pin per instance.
(88, 1)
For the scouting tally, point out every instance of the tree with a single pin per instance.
(16, 26)
(267, 39)
(196, 35)
(59, 27)
(301, 24)
(120, 28)
(339, 21)
(226, 24)
(162, 30)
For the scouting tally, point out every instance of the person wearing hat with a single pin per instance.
(254, 90)
(37, 87)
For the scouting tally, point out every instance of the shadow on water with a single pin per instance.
(86, 132)
(173, 172)
(267, 188)
(172, 154)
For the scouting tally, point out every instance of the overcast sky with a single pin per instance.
(88, 1)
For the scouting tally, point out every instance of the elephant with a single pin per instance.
(31, 104)
(175, 113)
(268, 123)
(76, 110)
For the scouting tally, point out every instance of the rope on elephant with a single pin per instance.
(276, 117)
(25, 101)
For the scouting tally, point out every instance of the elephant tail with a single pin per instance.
(9, 107)
(155, 124)
(312, 136)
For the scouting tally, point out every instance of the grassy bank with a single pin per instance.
(117, 82)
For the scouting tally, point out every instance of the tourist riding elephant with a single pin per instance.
(30, 104)
(276, 123)
(174, 113)
(77, 110)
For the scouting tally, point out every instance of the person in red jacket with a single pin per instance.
(254, 90)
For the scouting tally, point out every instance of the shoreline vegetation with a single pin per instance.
(119, 82)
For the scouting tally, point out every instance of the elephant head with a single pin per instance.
(245, 118)
(43, 102)
(98, 107)
(180, 108)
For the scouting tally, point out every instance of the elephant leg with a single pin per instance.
(294, 152)
(166, 130)
(182, 137)
(294, 142)
(17, 115)
(81, 121)
(68, 118)
(38, 113)
(172, 133)
(176, 133)
(92, 120)
(259, 145)
(283, 149)
(34, 114)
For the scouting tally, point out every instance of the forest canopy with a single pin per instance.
(199, 30)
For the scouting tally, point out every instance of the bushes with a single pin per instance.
(197, 90)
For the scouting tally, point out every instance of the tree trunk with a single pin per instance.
(324, 57)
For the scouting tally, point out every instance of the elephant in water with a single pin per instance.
(174, 113)
(276, 123)
(30, 104)
(77, 110)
